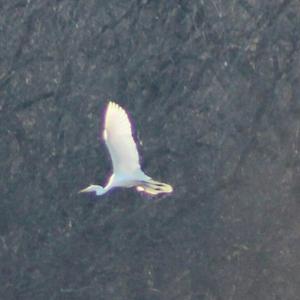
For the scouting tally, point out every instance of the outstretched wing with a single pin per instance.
(118, 138)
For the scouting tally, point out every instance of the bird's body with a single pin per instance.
(127, 171)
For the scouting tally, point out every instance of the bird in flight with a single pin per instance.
(127, 171)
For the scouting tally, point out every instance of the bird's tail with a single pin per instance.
(153, 187)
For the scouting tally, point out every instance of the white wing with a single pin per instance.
(118, 138)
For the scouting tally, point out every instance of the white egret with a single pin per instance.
(124, 155)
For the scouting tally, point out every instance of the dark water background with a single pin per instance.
(213, 88)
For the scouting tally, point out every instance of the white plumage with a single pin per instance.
(124, 155)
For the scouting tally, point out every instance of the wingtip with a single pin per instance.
(112, 105)
(115, 106)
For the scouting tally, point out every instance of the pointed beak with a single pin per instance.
(84, 190)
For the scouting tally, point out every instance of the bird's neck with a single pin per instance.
(110, 183)
(99, 190)
(106, 189)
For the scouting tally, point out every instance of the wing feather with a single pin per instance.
(119, 141)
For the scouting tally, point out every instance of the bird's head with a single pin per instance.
(97, 189)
